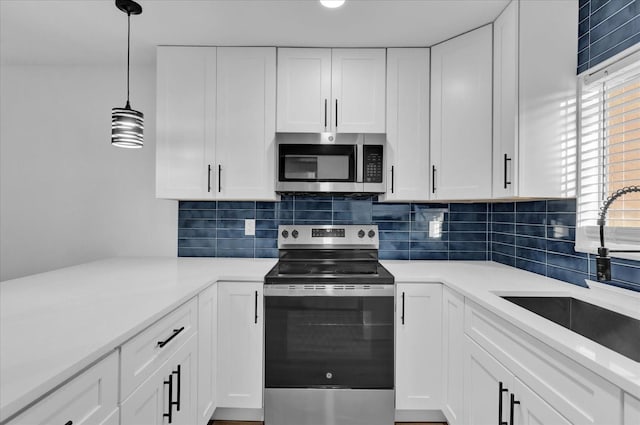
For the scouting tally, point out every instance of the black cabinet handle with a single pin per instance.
(513, 403)
(501, 389)
(219, 178)
(336, 113)
(392, 179)
(325, 114)
(177, 403)
(433, 179)
(170, 413)
(506, 181)
(402, 317)
(209, 179)
(255, 320)
(69, 423)
(173, 335)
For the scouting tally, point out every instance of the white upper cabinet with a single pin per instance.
(461, 134)
(245, 123)
(535, 99)
(407, 150)
(358, 90)
(185, 137)
(334, 90)
(216, 123)
(304, 90)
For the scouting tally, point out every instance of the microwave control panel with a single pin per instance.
(372, 163)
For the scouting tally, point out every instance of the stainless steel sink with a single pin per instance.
(616, 331)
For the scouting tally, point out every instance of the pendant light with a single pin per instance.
(332, 4)
(127, 125)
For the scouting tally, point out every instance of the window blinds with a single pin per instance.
(610, 155)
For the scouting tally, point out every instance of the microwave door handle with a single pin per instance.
(359, 163)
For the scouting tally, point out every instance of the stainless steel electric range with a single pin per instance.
(329, 331)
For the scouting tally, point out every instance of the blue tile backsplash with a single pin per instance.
(210, 229)
(606, 28)
(537, 236)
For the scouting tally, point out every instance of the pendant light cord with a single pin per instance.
(128, 53)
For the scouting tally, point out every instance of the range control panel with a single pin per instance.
(372, 163)
(328, 236)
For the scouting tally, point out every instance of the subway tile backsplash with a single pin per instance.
(606, 28)
(537, 236)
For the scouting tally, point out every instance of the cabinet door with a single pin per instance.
(207, 353)
(185, 138)
(358, 90)
(88, 399)
(631, 410)
(547, 98)
(505, 101)
(461, 106)
(452, 355)
(240, 340)
(484, 378)
(418, 339)
(407, 153)
(245, 124)
(304, 90)
(169, 391)
(149, 403)
(532, 410)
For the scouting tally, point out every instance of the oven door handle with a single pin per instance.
(319, 290)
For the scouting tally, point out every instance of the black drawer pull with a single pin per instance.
(170, 414)
(177, 403)
(255, 319)
(166, 341)
(501, 389)
(513, 403)
(506, 180)
(69, 423)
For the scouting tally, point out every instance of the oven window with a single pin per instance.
(320, 342)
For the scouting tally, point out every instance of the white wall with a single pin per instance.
(66, 195)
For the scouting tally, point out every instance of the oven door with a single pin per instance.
(329, 336)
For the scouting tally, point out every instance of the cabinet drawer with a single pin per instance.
(91, 398)
(147, 351)
(574, 391)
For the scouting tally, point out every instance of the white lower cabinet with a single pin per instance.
(631, 408)
(551, 387)
(418, 339)
(494, 395)
(91, 398)
(169, 395)
(452, 356)
(240, 341)
(207, 353)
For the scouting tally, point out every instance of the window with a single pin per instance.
(610, 154)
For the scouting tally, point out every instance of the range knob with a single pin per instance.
(294, 234)
(285, 234)
(371, 233)
(361, 234)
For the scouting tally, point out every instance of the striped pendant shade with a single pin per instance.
(127, 127)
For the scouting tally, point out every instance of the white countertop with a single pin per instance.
(53, 325)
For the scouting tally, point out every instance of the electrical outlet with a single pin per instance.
(250, 227)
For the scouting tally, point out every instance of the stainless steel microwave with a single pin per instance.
(330, 163)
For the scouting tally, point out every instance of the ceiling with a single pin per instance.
(74, 32)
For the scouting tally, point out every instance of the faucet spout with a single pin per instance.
(603, 261)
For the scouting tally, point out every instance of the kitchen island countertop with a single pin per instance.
(55, 324)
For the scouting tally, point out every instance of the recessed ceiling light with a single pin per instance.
(332, 4)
